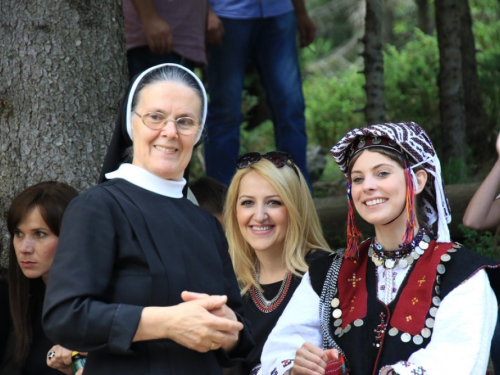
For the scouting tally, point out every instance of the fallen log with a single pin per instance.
(332, 213)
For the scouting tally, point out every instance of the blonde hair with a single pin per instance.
(303, 233)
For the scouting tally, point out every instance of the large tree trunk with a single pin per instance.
(451, 95)
(62, 69)
(480, 135)
(374, 63)
(424, 18)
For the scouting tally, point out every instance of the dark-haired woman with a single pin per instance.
(143, 280)
(33, 222)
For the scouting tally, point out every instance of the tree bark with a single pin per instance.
(388, 15)
(374, 63)
(451, 95)
(63, 69)
(424, 19)
(480, 134)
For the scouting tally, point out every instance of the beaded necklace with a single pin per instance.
(262, 303)
(404, 256)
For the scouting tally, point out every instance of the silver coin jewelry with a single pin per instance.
(404, 256)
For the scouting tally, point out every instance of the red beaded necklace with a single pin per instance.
(262, 303)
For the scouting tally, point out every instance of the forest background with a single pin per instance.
(333, 84)
(334, 88)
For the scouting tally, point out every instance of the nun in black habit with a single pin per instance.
(142, 278)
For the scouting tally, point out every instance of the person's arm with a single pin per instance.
(215, 28)
(464, 325)
(190, 324)
(307, 29)
(296, 334)
(156, 30)
(483, 210)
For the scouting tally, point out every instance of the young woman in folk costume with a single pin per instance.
(407, 301)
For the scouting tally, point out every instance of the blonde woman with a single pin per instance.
(273, 232)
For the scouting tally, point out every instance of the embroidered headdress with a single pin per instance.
(413, 143)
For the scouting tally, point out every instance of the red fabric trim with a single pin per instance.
(416, 298)
(352, 286)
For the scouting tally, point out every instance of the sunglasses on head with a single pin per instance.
(278, 158)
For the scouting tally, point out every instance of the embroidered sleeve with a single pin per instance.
(298, 324)
(403, 368)
(464, 326)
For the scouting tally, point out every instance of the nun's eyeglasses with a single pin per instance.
(278, 158)
(157, 120)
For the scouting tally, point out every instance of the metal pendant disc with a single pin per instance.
(419, 250)
(347, 328)
(409, 259)
(338, 331)
(393, 331)
(370, 252)
(377, 261)
(337, 313)
(426, 238)
(437, 289)
(335, 302)
(358, 322)
(438, 279)
(433, 311)
(415, 255)
(418, 340)
(406, 337)
(436, 300)
(429, 322)
(445, 257)
(423, 245)
(390, 263)
(452, 250)
(441, 269)
(337, 323)
(426, 332)
(403, 262)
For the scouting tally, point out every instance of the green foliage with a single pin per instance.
(482, 242)
(410, 74)
(332, 106)
(260, 139)
(456, 171)
(487, 37)
(320, 48)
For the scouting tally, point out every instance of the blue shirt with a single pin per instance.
(246, 9)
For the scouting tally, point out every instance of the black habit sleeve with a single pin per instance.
(78, 312)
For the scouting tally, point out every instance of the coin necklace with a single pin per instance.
(262, 303)
(404, 256)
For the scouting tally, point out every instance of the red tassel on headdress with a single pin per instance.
(353, 234)
(410, 207)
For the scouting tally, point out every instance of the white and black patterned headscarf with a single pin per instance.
(420, 152)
